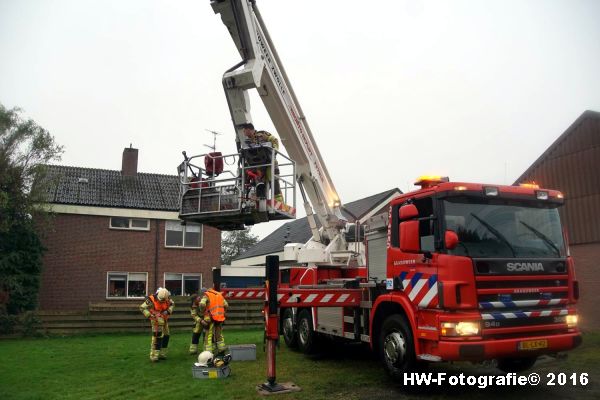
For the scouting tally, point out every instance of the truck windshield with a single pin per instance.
(501, 228)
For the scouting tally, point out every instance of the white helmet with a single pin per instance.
(162, 294)
(205, 358)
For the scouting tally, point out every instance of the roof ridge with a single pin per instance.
(563, 136)
(375, 195)
(107, 170)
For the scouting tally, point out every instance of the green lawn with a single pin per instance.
(116, 366)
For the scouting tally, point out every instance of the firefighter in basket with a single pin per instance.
(157, 308)
(208, 311)
(262, 175)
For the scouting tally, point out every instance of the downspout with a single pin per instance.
(156, 243)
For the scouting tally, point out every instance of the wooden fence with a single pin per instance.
(125, 317)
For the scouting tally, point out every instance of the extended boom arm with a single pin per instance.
(261, 69)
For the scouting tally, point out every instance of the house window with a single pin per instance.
(130, 223)
(183, 284)
(126, 285)
(178, 235)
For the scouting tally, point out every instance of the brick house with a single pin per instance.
(115, 236)
(571, 165)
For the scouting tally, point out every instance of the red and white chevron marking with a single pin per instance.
(316, 298)
(301, 297)
(244, 294)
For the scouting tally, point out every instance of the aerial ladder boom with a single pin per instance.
(261, 69)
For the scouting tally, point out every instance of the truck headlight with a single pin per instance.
(462, 328)
(572, 321)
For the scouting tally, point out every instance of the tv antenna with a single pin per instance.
(215, 134)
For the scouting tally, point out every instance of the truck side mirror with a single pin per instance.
(409, 230)
(409, 237)
(408, 211)
(450, 240)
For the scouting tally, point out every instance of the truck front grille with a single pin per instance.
(536, 304)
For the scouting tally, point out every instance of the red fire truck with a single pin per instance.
(452, 271)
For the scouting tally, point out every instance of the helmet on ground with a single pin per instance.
(205, 358)
(162, 294)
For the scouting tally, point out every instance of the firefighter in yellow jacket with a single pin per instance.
(199, 324)
(208, 311)
(259, 137)
(157, 308)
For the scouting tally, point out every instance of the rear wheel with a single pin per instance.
(396, 347)
(516, 364)
(307, 337)
(288, 330)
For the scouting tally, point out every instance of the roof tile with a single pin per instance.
(108, 188)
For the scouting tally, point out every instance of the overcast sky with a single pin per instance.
(475, 90)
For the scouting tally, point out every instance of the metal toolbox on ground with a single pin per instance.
(243, 352)
(210, 372)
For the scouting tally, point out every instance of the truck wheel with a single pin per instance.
(307, 337)
(396, 347)
(288, 330)
(516, 364)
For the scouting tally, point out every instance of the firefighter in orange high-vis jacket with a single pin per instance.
(157, 308)
(208, 311)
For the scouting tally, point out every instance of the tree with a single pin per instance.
(25, 148)
(234, 243)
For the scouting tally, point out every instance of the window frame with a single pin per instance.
(184, 230)
(425, 220)
(183, 276)
(126, 296)
(395, 227)
(432, 219)
(130, 227)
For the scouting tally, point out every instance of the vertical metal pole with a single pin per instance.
(216, 272)
(271, 373)
(272, 183)
(271, 321)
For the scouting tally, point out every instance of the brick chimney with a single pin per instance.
(130, 161)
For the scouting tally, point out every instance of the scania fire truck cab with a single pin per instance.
(476, 272)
